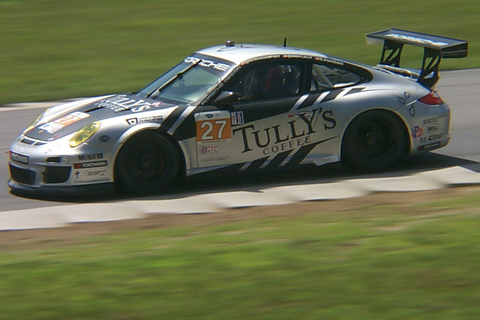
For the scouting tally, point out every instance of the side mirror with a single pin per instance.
(225, 97)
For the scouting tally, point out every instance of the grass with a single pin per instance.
(54, 49)
(374, 261)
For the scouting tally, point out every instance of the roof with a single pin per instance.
(242, 52)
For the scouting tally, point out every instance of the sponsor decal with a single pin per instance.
(416, 39)
(71, 118)
(429, 146)
(237, 117)
(93, 164)
(409, 105)
(265, 57)
(54, 126)
(330, 60)
(296, 56)
(435, 137)
(403, 100)
(208, 149)
(411, 109)
(433, 128)
(430, 120)
(90, 171)
(134, 121)
(416, 132)
(92, 156)
(289, 145)
(51, 127)
(90, 175)
(19, 158)
(122, 103)
(297, 134)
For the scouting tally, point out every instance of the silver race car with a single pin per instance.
(242, 107)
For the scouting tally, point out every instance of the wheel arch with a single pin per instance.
(145, 128)
(400, 119)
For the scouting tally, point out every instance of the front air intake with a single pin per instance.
(20, 175)
(56, 174)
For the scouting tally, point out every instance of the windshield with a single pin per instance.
(188, 81)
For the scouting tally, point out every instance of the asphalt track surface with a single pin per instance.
(456, 164)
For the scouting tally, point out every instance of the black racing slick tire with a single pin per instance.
(147, 163)
(374, 141)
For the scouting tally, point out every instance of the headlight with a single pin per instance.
(84, 134)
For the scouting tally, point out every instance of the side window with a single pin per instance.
(266, 81)
(326, 76)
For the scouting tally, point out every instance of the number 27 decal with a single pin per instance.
(213, 126)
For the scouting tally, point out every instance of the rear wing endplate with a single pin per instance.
(435, 48)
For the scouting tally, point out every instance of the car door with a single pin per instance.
(270, 119)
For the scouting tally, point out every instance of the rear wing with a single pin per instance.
(435, 48)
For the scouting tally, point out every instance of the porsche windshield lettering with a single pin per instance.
(208, 63)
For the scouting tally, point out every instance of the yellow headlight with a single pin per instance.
(84, 134)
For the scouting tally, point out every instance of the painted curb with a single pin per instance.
(64, 215)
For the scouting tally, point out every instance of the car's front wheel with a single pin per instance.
(148, 162)
(374, 141)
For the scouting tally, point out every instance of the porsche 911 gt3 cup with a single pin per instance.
(243, 108)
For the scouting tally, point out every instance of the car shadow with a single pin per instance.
(311, 174)
(225, 181)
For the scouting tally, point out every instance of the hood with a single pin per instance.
(65, 119)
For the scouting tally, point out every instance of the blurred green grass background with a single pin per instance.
(55, 49)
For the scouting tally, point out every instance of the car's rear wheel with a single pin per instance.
(374, 141)
(148, 162)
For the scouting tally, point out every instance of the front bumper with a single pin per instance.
(62, 191)
(50, 167)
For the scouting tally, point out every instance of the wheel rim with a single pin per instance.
(147, 162)
(375, 139)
